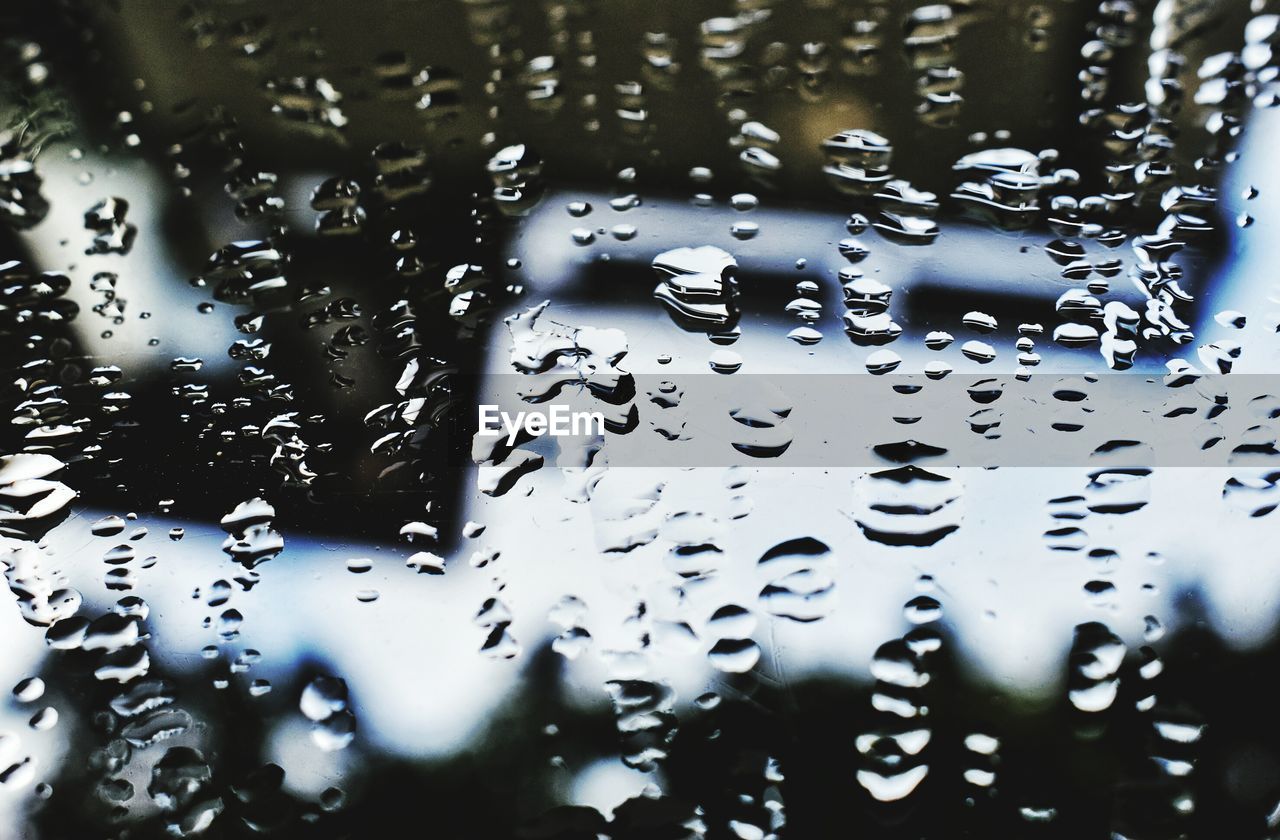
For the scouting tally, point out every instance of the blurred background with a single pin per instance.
(259, 262)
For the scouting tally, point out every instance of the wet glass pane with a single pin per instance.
(625, 419)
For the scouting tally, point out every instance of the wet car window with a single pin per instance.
(598, 419)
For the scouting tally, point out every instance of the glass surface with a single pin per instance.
(934, 350)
